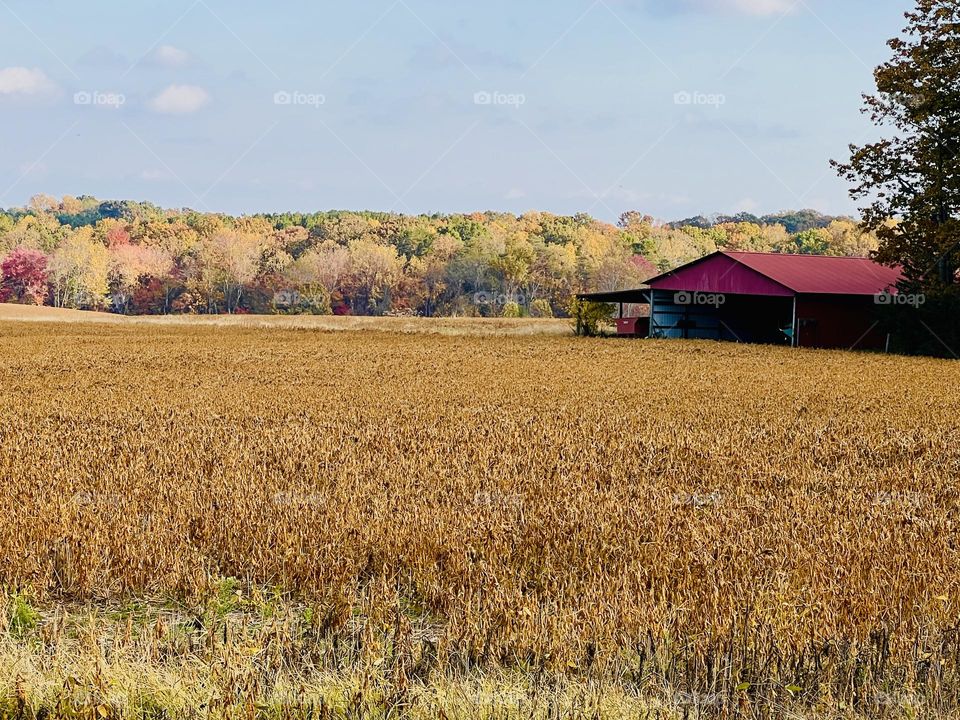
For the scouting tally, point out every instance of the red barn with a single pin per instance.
(801, 300)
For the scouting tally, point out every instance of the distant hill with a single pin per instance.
(793, 221)
(88, 211)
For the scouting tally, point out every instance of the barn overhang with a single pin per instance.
(640, 296)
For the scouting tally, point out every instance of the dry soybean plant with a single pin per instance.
(716, 527)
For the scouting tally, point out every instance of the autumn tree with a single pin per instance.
(42, 232)
(23, 276)
(672, 247)
(42, 203)
(912, 177)
(429, 273)
(222, 267)
(78, 272)
(311, 280)
(847, 238)
(373, 274)
(130, 266)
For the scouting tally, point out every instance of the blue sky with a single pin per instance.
(671, 107)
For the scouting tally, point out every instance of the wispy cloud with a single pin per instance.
(169, 56)
(755, 7)
(180, 100)
(25, 81)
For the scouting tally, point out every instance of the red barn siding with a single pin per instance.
(719, 273)
(838, 322)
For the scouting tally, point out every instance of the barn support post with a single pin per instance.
(794, 341)
(651, 329)
(579, 318)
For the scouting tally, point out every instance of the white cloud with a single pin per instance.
(744, 7)
(180, 100)
(170, 56)
(24, 81)
(764, 7)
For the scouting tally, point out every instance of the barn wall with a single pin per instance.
(739, 318)
(720, 274)
(673, 321)
(848, 322)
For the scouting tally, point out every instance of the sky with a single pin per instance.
(670, 107)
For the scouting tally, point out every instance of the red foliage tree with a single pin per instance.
(117, 236)
(646, 268)
(23, 276)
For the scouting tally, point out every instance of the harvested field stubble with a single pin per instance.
(751, 524)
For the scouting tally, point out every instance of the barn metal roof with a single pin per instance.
(821, 274)
(753, 273)
(771, 274)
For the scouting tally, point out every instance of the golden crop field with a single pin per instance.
(243, 522)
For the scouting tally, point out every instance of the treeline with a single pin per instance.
(793, 221)
(136, 258)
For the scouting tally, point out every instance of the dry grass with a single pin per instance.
(760, 527)
(438, 326)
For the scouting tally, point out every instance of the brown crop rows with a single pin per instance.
(711, 518)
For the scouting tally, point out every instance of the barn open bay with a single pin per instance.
(290, 520)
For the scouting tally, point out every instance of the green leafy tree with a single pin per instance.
(913, 175)
(591, 319)
(807, 242)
